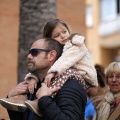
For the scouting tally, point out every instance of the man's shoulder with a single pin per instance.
(72, 90)
(74, 84)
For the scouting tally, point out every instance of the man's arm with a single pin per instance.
(16, 115)
(21, 88)
(68, 104)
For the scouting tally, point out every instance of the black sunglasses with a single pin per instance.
(35, 51)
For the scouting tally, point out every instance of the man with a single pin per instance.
(68, 104)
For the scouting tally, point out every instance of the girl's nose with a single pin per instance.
(62, 35)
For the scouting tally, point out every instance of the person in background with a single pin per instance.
(102, 88)
(69, 102)
(90, 111)
(110, 106)
(96, 94)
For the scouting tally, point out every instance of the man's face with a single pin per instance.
(114, 82)
(38, 62)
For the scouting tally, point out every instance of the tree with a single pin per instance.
(34, 14)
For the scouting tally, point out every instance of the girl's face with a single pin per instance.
(61, 34)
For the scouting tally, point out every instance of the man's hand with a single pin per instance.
(45, 91)
(21, 88)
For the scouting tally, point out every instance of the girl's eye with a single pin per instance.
(64, 31)
(56, 36)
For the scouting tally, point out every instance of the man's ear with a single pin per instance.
(52, 55)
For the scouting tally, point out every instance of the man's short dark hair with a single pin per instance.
(52, 44)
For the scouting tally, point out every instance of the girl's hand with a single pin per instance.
(32, 84)
(48, 78)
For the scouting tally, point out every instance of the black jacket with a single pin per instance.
(68, 104)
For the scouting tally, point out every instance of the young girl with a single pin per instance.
(75, 61)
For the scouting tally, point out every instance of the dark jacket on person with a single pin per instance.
(68, 104)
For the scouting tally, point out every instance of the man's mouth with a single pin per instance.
(30, 63)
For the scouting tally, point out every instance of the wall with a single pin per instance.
(103, 37)
(9, 18)
(73, 12)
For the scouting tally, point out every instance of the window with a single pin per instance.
(109, 9)
(89, 19)
(110, 17)
(118, 6)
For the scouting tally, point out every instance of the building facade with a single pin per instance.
(103, 30)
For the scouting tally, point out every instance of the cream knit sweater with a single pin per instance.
(76, 55)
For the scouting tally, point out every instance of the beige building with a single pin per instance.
(71, 11)
(9, 17)
(103, 30)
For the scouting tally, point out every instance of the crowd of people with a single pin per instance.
(106, 97)
(63, 83)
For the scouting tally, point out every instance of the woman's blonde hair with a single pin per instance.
(113, 67)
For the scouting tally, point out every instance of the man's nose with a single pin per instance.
(29, 56)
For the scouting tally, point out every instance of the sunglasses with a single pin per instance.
(35, 51)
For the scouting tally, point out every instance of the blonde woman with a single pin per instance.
(110, 107)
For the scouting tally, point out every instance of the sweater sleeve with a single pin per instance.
(68, 104)
(31, 75)
(73, 51)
